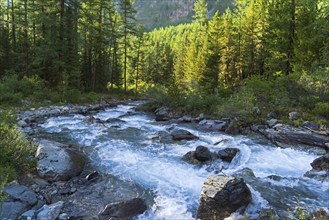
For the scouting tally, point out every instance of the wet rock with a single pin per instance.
(56, 161)
(28, 215)
(246, 174)
(50, 212)
(203, 154)
(63, 216)
(181, 134)
(321, 163)
(189, 157)
(212, 125)
(311, 125)
(272, 122)
(228, 154)
(89, 119)
(294, 115)
(20, 199)
(285, 136)
(92, 176)
(163, 136)
(123, 210)
(221, 196)
(233, 128)
(200, 155)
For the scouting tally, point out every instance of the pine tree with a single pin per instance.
(127, 13)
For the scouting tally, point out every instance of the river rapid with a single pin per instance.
(133, 147)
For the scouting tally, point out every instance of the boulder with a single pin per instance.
(200, 155)
(123, 210)
(162, 114)
(272, 122)
(285, 135)
(181, 134)
(212, 125)
(203, 154)
(294, 115)
(28, 215)
(228, 154)
(321, 163)
(20, 199)
(50, 212)
(311, 125)
(222, 195)
(56, 161)
(233, 128)
(189, 157)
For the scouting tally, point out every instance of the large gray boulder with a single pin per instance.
(50, 212)
(181, 134)
(228, 154)
(212, 125)
(20, 199)
(286, 135)
(56, 161)
(123, 210)
(221, 196)
(163, 114)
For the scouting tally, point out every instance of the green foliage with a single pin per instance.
(16, 153)
(13, 89)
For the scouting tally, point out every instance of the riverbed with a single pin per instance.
(133, 147)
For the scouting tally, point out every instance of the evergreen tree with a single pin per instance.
(127, 13)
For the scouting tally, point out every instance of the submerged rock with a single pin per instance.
(180, 134)
(203, 154)
(228, 154)
(123, 210)
(56, 161)
(200, 155)
(222, 195)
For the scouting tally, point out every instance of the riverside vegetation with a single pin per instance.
(273, 55)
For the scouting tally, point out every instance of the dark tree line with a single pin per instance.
(94, 45)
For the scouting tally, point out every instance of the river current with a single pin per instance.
(132, 146)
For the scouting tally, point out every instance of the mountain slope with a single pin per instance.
(160, 13)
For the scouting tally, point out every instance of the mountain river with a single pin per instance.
(132, 146)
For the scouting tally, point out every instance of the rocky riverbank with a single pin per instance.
(66, 185)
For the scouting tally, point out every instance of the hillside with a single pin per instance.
(160, 13)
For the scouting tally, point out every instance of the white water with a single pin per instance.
(131, 151)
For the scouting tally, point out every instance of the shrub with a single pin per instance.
(15, 153)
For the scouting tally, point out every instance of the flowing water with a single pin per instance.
(134, 147)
